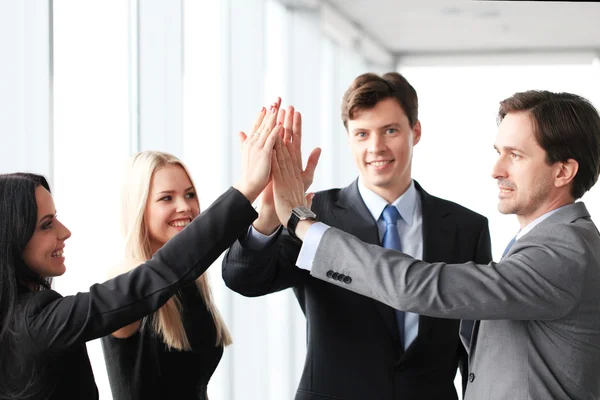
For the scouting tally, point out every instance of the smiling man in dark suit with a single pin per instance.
(359, 348)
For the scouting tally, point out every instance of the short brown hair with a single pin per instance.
(369, 89)
(566, 126)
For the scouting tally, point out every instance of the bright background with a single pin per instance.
(84, 84)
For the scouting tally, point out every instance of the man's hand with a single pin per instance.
(257, 153)
(288, 186)
(291, 120)
(295, 137)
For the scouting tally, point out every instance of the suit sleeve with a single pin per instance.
(256, 273)
(530, 284)
(55, 323)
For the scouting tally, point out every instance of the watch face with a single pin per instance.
(303, 212)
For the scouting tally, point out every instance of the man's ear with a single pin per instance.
(417, 132)
(565, 172)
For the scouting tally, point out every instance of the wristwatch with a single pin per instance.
(299, 214)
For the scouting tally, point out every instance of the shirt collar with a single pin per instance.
(405, 204)
(535, 222)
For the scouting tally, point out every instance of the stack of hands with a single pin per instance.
(272, 166)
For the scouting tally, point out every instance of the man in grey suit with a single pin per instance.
(538, 308)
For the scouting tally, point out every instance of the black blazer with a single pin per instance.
(354, 350)
(52, 330)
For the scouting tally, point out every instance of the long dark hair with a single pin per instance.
(18, 218)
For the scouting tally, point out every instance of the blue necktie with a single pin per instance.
(391, 240)
(513, 240)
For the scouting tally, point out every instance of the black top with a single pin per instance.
(51, 330)
(354, 350)
(142, 367)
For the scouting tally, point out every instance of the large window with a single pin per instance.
(91, 141)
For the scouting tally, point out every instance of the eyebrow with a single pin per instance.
(510, 148)
(173, 191)
(387, 126)
(45, 217)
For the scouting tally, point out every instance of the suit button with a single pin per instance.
(341, 277)
(329, 273)
(347, 279)
(335, 275)
(471, 377)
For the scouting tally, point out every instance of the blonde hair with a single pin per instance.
(167, 320)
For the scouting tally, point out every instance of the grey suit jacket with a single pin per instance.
(539, 335)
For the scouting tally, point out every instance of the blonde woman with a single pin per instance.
(172, 353)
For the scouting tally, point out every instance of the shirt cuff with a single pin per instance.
(310, 245)
(256, 241)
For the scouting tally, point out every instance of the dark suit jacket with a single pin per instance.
(51, 330)
(354, 350)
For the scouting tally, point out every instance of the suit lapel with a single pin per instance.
(438, 245)
(351, 215)
(438, 234)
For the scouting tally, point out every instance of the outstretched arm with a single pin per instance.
(57, 323)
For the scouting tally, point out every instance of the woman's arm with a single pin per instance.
(122, 268)
(58, 323)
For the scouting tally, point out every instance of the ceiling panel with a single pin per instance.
(433, 26)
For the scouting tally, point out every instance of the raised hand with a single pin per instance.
(257, 152)
(295, 136)
(288, 185)
(292, 135)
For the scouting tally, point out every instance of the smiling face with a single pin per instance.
(44, 251)
(381, 140)
(171, 205)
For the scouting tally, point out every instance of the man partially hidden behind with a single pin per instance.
(359, 348)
